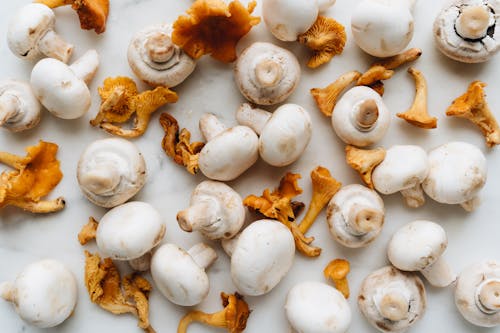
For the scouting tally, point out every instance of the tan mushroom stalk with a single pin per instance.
(19, 108)
(373, 75)
(337, 271)
(364, 161)
(401, 59)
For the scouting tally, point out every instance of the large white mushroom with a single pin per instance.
(19, 108)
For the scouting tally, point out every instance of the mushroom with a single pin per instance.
(262, 256)
(477, 293)
(360, 118)
(215, 209)
(391, 300)
(457, 174)
(156, 60)
(337, 271)
(383, 28)
(373, 75)
(283, 134)
(19, 108)
(266, 74)
(355, 216)
(467, 31)
(44, 294)
(180, 275)
(63, 89)
(228, 152)
(31, 34)
(419, 246)
(316, 307)
(364, 161)
(111, 171)
(403, 169)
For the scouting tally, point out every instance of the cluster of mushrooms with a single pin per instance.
(112, 171)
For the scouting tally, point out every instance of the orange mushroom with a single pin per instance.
(337, 271)
(88, 231)
(364, 161)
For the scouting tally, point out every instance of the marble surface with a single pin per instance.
(25, 238)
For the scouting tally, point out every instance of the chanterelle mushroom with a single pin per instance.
(391, 300)
(31, 34)
(156, 60)
(467, 30)
(19, 108)
(44, 294)
(477, 293)
(111, 171)
(364, 161)
(266, 74)
(337, 271)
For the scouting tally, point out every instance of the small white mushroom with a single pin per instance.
(111, 171)
(467, 31)
(457, 173)
(31, 34)
(19, 108)
(63, 89)
(360, 118)
(266, 74)
(156, 60)
(383, 28)
(355, 216)
(44, 293)
(283, 134)
(287, 19)
(313, 307)
(262, 255)
(180, 275)
(216, 210)
(228, 152)
(477, 293)
(403, 169)
(419, 246)
(391, 300)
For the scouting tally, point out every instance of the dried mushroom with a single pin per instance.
(214, 28)
(337, 271)
(401, 59)
(88, 231)
(34, 177)
(473, 106)
(120, 100)
(364, 161)
(374, 75)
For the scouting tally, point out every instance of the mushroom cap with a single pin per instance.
(29, 112)
(169, 73)
(385, 278)
(457, 173)
(417, 245)
(229, 154)
(111, 171)
(402, 168)
(263, 255)
(288, 72)
(466, 292)
(178, 277)
(287, 19)
(343, 120)
(58, 89)
(129, 231)
(338, 214)
(45, 293)
(286, 135)
(323, 5)
(315, 307)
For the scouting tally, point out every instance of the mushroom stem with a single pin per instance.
(488, 296)
(363, 219)
(268, 73)
(6, 291)
(366, 115)
(216, 319)
(203, 255)
(254, 118)
(439, 274)
(142, 263)
(40, 207)
(86, 66)
(210, 126)
(159, 47)
(53, 46)
(473, 22)
(414, 196)
(199, 215)
(394, 305)
(102, 179)
(9, 107)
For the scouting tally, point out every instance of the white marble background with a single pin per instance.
(25, 238)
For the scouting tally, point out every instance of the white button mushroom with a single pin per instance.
(19, 108)
(392, 300)
(44, 294)
(419, 246)
(156, 60)
(383, 28)
(31, 34)
(477, 293)
(457, 173)
(111, 171)
(180, 275)
(313, 307)
(262, 255)
(228, 152)
(355, 216)
(216, 210)
(283, 134)
(266, 74)
(360, 117)
(403, 169)
(62, 89)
